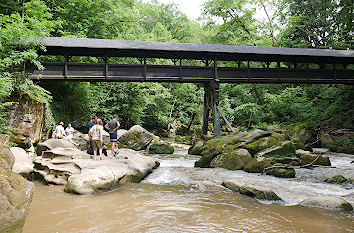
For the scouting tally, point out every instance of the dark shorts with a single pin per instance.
(113, 137)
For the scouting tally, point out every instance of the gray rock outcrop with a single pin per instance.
(15, 192)
(26, 118)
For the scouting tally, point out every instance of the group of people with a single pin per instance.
(60, 132)
(95, 133)
(95, 126)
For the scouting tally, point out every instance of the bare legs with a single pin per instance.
(112, 148)
(100, 150)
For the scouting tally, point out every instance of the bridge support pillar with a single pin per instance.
(211, 101)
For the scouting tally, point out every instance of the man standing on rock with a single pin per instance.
(112, 126)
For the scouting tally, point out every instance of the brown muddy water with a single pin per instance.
(162, 203)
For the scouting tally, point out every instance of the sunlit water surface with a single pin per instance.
(162, 203)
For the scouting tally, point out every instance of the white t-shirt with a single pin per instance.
(96, 131)
(59, 131)
(69, 131)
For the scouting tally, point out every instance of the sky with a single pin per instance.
(192, 8)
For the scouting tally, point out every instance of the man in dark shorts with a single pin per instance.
(112, 126)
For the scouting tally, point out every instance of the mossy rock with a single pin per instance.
(300, 131)
(234, 160)
(309, 158)
(339, 179)
(282, 172)
(254, 166)
(341, 145)
(162, 148)
(197, 148)
(285, 149)
(261, 144)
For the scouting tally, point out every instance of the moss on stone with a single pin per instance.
(255, 166)
(300, 131)
(161, 149)
(339, 179)
(309, 158)
(70, 188)
(234, 160)
(282, 172)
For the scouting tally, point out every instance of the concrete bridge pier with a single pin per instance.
(211, 101)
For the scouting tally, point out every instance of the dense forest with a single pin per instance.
(159, 106)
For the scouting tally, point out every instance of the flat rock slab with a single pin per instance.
(329, 202)
(72, 153)
(251, 190)
(51, 144)
(109, 173)
(83, 175)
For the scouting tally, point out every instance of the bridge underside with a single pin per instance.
(93, 72)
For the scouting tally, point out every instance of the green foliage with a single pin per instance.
(17, 48)
(317, 23)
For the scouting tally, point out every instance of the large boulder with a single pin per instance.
(233, 160)
(106, 138)
(52, 144)
(251, 190)
(121, 132)
(26, 118)
(160, 148)
(15, 192)
(131, 166)
(254, 135)
(263, 143)
(299, 132)
(286, 149)
(336, 203)
(137, 138)
(207, 156)
(307, 157)
(23, 162)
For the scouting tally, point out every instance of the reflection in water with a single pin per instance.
(152, 207)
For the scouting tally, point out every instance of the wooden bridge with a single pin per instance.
(219, 64)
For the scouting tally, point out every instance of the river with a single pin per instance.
(163, 203)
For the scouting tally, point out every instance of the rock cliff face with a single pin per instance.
(26, 118)
(15, 192)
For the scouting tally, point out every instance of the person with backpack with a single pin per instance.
(96, 133)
